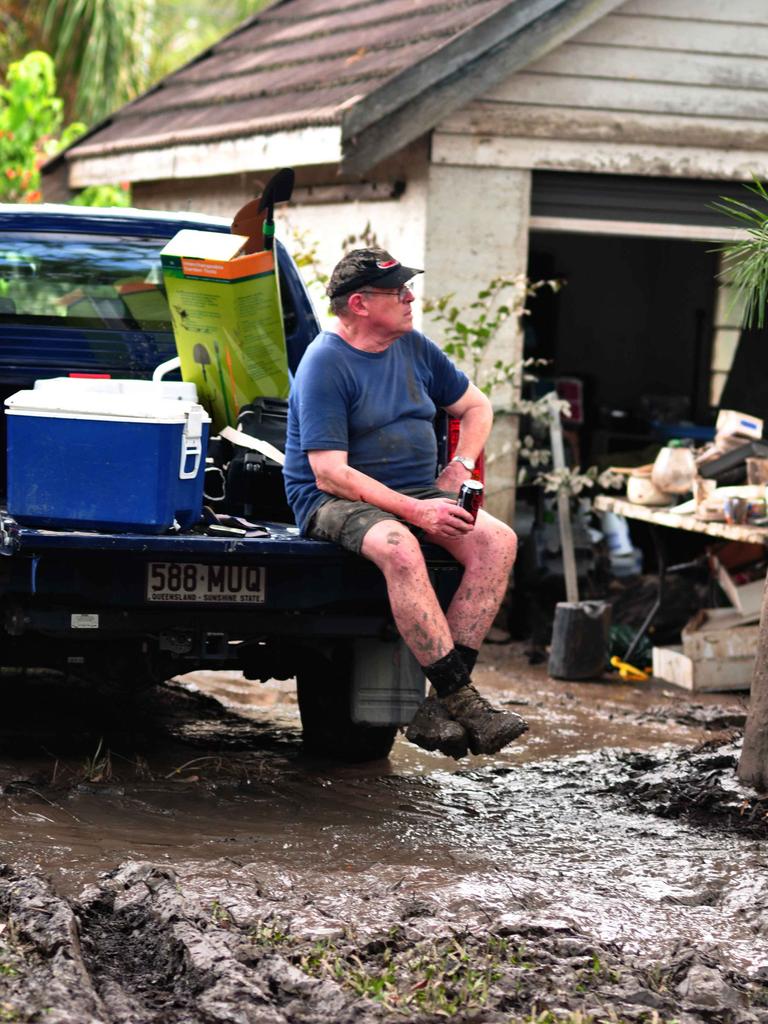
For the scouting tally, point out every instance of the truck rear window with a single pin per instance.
(92, 281)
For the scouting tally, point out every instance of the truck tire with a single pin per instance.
(324, 687)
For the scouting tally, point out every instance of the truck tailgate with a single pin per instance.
(279, 571)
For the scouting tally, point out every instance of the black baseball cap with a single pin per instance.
(362, 267)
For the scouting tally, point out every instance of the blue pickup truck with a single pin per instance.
(109, 608)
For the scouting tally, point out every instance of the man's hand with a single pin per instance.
(442, 517)
(452, 477)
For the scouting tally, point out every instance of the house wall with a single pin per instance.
(332, 228)
(216, 196)
(661, 87)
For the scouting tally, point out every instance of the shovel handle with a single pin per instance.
(627, 671)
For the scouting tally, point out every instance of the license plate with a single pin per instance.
(193, 583)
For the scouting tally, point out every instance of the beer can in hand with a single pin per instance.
(471, 497)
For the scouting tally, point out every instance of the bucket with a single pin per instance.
(579, 647)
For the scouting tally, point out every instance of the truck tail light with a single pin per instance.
(453, 440)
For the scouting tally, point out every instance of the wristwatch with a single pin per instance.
(466, 462)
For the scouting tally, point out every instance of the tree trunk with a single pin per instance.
(753, 766)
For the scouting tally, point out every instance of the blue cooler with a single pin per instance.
(80, 458)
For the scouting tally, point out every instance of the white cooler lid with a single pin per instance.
(184, 391)
(65, 403)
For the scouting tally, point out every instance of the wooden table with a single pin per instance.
(657, 516)
(662, 516)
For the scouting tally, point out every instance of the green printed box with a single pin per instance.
(227, 321)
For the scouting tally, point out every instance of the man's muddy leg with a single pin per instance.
(460, 718)
(422, 625)
(418, 615)
(487, 554)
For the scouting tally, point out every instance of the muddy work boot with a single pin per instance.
(432, 728)
(488, 729)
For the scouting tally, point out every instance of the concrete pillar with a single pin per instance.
(477, 230)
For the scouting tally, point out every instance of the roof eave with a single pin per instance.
(200, 158)
(414, 101)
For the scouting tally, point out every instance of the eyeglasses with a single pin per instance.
(402, 293)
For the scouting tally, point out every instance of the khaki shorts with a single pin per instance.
(347, 522)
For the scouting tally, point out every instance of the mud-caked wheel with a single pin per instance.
(324, 688)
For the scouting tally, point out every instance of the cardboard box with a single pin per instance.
(227, 321)
(729, 421)
(718, 653)
(746, 598)
(719, 633)
(701, 675)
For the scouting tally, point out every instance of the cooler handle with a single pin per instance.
(191, 443)
(190, 447)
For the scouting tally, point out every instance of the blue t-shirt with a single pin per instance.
(379, 407)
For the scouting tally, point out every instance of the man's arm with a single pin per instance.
(475, 415)
(335, 476)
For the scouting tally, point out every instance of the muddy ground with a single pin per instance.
(173, 860)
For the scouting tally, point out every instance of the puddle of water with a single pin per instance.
(523, 834)
(538, 839)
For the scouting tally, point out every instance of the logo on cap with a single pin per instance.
(387, 264)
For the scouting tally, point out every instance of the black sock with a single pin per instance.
(448, 674)
(468, 656)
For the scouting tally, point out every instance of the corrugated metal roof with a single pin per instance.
(293, 65)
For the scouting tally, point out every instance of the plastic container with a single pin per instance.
(616, 532)
(580, 633)
(629, 563)
(80, 458)
(674, 469)
(641, 490)
(387, 683)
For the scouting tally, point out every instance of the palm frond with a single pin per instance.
(745, 261)
(101, 47)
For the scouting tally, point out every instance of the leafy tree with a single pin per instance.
(106, 52)
(99, 47)
(101, 50)
(181, 31)
(468, 335)
(103, 195)
(31, 116)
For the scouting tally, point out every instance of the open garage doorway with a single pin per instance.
(634, 324)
